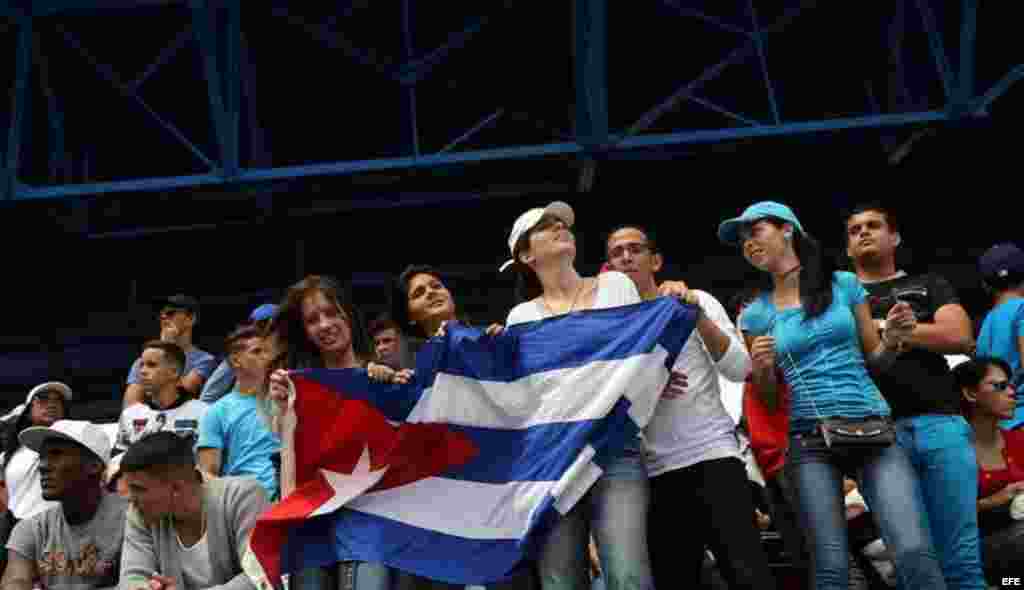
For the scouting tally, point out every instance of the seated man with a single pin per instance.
(183, 533)
(234, 435)
(167, 406)
(178, 317)
(77, 544)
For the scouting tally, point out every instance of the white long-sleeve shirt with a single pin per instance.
(691, 425)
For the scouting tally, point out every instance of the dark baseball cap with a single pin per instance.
(180, 302)
(1001, 260)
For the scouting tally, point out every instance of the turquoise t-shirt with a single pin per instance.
(821, 358)
(999, 335)
(236, 426)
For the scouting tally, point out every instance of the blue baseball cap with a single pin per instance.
(729, 230)
(263, 312)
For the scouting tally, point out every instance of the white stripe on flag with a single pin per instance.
(576, 480)
(465, 509)
(587, 392)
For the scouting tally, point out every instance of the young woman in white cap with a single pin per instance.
(815, 324)
(46, 403)
(544, 253)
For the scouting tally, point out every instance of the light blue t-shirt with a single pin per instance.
(821, 358)
(200, 360)
(1000, 333)
(235, 426)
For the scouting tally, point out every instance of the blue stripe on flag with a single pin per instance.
(560, 342)
(545, 345)
(543, 452)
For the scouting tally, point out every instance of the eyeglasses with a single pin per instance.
(635, 249)
(999, 385)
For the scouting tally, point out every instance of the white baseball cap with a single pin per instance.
(82, 432)
(529, 219)
(62, 388)
(1017, 507)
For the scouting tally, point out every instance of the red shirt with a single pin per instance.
(991, 481)
(769, 431)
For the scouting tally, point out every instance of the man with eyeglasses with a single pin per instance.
(179, 315)
(693, 456)
(920, 389)
(167, 405)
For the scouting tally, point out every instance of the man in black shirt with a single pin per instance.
(920, 390)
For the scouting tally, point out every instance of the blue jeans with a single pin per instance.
(616, 509)
(941, 449)
(891, 490)
(343, 576)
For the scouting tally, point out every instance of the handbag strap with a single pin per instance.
(798, 372)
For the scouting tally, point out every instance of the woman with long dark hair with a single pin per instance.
(421, 303)
(988, 398)
(816, 325)
(318, 327)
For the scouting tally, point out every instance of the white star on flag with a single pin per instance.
(349, 485)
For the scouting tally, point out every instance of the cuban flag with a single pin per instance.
(458, 475)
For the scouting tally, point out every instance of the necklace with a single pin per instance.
(572, 304)
(792, 270)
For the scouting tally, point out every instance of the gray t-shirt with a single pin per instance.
(81, 557)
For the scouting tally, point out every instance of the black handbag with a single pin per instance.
(872, 432)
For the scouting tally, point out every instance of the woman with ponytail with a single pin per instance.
(815, 324)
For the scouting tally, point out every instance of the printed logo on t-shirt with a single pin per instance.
(139, 425)
(88, 565)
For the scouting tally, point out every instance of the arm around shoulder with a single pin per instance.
(722, 340)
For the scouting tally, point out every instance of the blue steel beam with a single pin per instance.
(722, 111)
(55, 118)
(335, 40)
(108, 74)
(411, 128)
(165, 55)
(759, 44)
(717, 22)
(938, 48)
(232, 84)
(489, 119)
(965, 77)
(590, 62)
(736, 56)
(205, 25)
(417, 70)
(980, 106)
(19, 103)
(591, 68)
(506, 153)
(259, 152)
